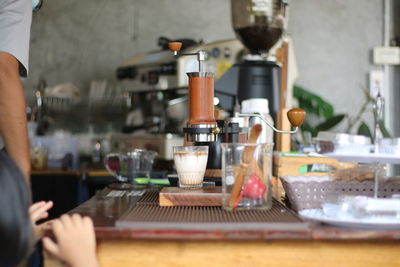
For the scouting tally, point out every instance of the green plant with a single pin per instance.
(363, 128)
(321, 115)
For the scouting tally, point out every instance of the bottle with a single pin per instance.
(259, 106)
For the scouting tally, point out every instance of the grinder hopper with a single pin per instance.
(258, 24)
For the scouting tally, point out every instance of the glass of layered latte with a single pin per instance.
(190, 163)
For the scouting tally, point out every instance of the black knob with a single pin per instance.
(129, 72)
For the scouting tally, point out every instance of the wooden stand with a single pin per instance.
(213, 173)
(290, 165)
(206, 196)
(283, 140)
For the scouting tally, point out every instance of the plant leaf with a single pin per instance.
(368, 96)
(312, 103)
(306, 127)
(306, 105)
(330, 123)
(383, 129)
(363, 129)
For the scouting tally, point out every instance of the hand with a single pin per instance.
(38, 211)
(76, 242)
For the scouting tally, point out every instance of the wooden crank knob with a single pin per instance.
(296, 116)
(175, 46)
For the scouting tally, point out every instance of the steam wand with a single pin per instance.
(378, 108)
(378, 116)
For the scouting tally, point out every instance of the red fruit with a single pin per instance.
(254, 187)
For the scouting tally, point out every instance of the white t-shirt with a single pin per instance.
(15, 26)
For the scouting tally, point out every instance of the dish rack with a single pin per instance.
(358, 148)
(318, 194)
(309, 192)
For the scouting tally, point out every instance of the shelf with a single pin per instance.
(365, 158)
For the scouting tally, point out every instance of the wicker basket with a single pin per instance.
(310, 193)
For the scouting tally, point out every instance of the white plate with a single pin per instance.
(366, 222)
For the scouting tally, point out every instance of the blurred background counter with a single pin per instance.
(67, 188)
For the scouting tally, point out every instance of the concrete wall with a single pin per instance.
(396, 70)
(333, 42)
(80, 41)
(395, 80)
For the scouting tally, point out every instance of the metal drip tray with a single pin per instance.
(148, 215)
(150, 197)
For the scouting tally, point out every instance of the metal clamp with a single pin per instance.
(201, 57)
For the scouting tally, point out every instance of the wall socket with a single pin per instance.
(386, 55)
(375, 82)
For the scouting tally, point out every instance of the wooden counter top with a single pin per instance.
(56, 172)
(106, 210)
(89, 172)
(317, 245)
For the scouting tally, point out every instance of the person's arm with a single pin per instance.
(13, 126)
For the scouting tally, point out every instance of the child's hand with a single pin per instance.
(38, 211)
(76, 242)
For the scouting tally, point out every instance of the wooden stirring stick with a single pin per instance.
(247, 157)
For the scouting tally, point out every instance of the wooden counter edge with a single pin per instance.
(119, 252)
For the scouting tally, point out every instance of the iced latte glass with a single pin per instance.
(190, 163)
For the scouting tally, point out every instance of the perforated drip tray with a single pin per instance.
(148, 215)
(150, 197)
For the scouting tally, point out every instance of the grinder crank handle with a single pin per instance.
(175, 47)
(296, 118)
(201, 55)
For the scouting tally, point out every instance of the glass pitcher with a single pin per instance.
(130, 167)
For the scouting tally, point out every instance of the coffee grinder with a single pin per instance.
(202, 129)
(259, 25)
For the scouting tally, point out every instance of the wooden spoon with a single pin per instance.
(247, 157)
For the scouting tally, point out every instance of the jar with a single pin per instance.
(246, 176)
(39, 156)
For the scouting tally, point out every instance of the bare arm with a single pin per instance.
(13, 127)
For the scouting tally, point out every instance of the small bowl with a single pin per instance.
(389, 146)
(342, 143)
